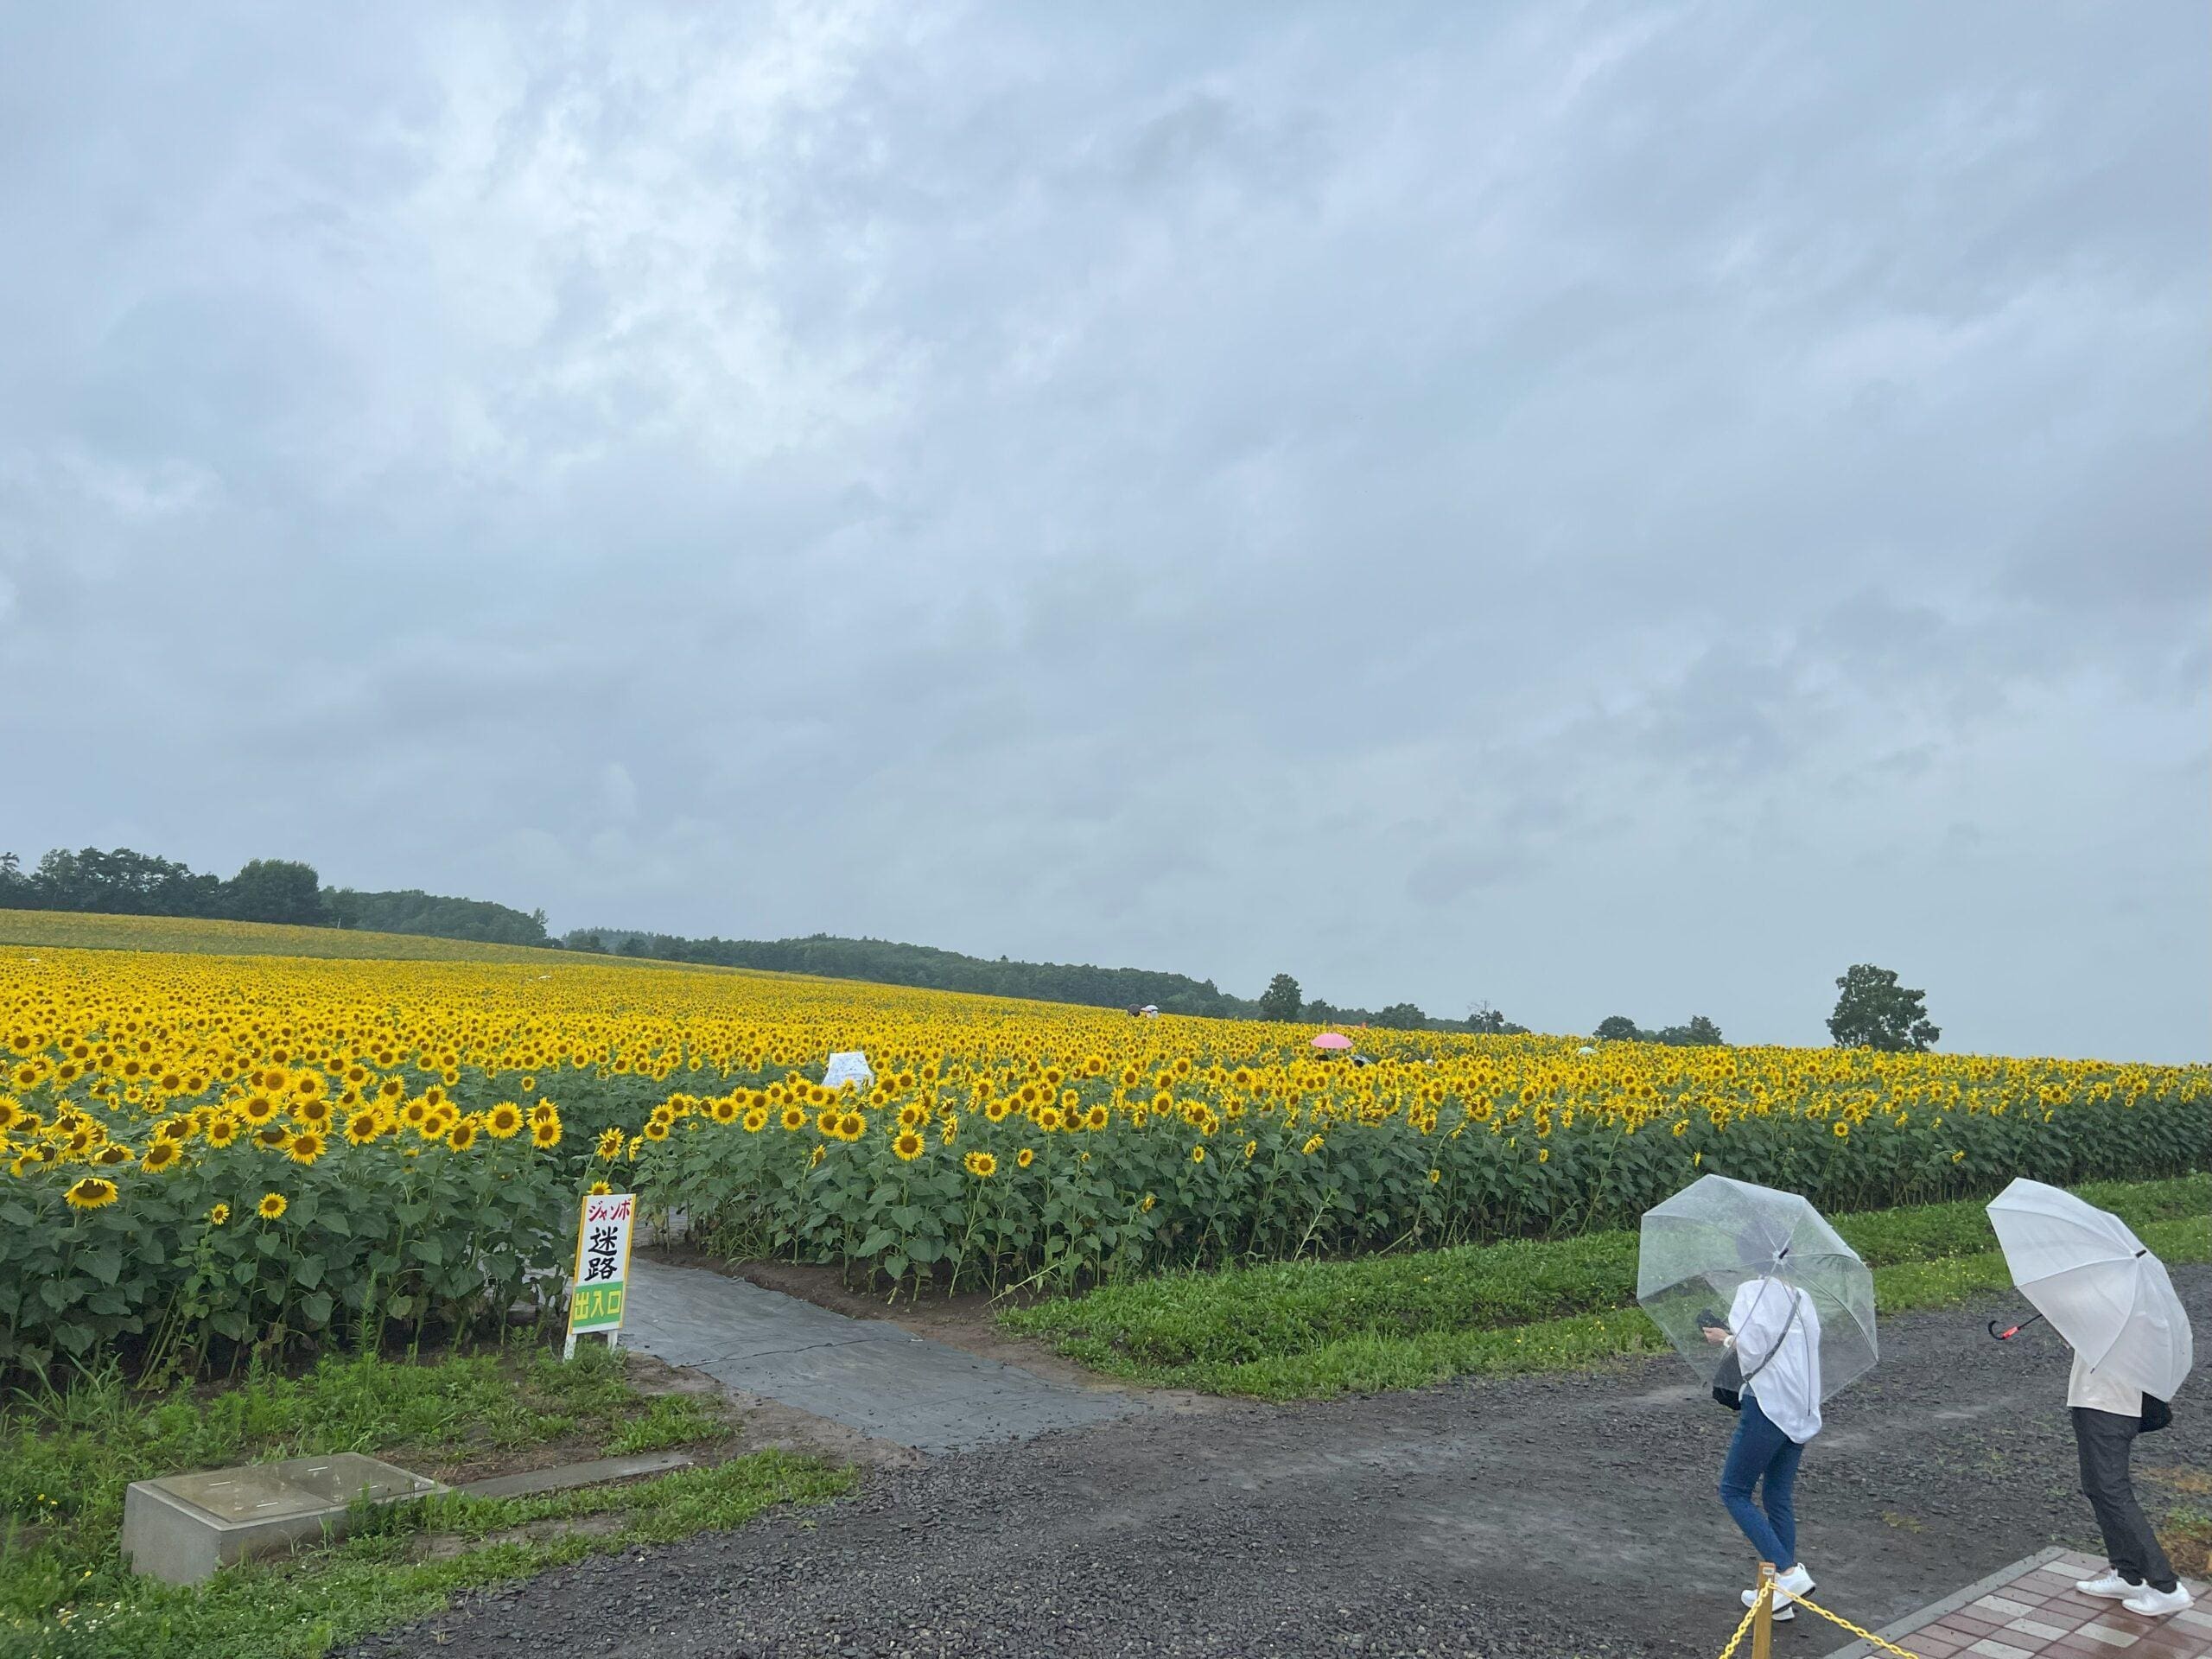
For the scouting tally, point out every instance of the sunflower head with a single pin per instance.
(504, 1121)
(219, 1215)
(272, 1207)
(908, 1146)
(92, 1193)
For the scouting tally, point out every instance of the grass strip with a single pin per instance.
(303, 1606)
(1312, 1330)
(67, 1456)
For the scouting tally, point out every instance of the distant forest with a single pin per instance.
(124, 882)
(889, 964)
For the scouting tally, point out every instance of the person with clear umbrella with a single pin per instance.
(1799, 1325)
(2110, 1297)
(1773, 1335)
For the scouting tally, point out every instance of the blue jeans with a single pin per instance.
(1761, 1453)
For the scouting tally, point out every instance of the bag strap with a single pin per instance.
(1796, 1308)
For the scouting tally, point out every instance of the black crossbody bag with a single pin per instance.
(1731, 1368)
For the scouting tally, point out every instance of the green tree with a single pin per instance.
(1401, 1016)
(1618, 1028)
(1482, 1017)
(275, 890)
(1281, 1000)
(1874, 1011)
(412, 910)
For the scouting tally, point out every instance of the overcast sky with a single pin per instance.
(1601, 509)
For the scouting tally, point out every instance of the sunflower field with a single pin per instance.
(205, 1154)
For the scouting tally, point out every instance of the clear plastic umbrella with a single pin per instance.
(1716, 1234)
(2092, 1278)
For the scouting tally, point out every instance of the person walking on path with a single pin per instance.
(2107, 1416)
(1773, 1334)
(2102, 1290)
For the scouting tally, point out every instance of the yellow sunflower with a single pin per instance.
(92, 1193)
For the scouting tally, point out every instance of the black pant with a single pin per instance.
(2105, 1439)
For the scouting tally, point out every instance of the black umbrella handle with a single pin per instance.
(2007, 1336)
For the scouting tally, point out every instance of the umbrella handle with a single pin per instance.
(2007, 1336)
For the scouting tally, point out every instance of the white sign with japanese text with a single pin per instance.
(602, 1262)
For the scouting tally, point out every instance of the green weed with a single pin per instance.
(1306, 1330)
(66, 1457)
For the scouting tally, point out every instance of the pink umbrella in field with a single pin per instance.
(1333, 1039)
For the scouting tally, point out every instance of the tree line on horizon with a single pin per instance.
(280, 890)
(1872, 1010)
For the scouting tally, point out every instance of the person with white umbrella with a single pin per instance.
(2110, 1297)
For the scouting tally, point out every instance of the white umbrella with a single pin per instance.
(2092, 1278)
(1717, 1234)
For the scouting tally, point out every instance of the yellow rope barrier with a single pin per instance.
(1736, 1640)
(1861, 1631)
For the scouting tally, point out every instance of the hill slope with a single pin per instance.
(885, 962)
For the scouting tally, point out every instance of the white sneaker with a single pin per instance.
(2111, 1586)
(2157, 1604)
(1787, 1588)
(1784, 1612)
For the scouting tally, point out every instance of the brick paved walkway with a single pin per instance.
(2031, 1610)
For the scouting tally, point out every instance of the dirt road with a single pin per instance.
(1542, 1516)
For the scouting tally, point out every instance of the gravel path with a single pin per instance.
(1539, 1516)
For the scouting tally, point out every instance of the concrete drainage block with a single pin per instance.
(181, 1527)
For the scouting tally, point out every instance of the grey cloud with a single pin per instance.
(1506, 502)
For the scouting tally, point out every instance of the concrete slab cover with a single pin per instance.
(866, 1374)
(183, 1527)
(569, 1476)
(263, 1491)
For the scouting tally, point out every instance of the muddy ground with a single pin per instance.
(1538, 1517)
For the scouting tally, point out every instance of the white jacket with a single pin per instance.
(1787, 1383)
